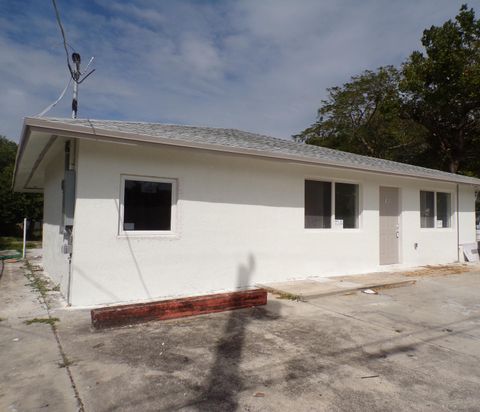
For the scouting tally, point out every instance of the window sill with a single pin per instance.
(333, 230)
(148, 235)
(437, 229)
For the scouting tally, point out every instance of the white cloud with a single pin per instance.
(256, 65)
(201, 55)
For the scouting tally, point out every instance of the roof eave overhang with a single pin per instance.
(90, 133)
(24, 136)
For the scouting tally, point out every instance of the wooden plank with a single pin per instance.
(176, 308)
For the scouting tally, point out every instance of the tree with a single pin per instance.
(14, 206)
(442, 91)
(364, 116)
(8, 150)
(426, 113)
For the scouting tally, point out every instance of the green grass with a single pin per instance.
(288, 296)
(47, 321)
(8, 243)
(66, 362)
(37, 283)
(40, 285)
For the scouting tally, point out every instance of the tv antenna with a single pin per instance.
(75, 73)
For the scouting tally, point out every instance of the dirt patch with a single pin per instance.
(394, 285)
(442, 270)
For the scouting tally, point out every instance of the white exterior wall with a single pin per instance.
(54, 261)
(239, 221)
(467, 218)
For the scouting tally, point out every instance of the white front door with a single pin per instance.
(389, 225)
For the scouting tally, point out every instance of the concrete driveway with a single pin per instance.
(411, 348)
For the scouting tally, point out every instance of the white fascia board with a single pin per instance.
(90, 133)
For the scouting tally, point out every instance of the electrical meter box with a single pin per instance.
(68, 186)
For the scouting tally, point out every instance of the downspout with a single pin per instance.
(458, 223)
(67, 167)
(70, 164)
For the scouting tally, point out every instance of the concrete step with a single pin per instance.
(337, 285)
(305, 290)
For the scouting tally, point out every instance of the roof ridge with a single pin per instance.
(60, 119)
(279, 139)
(234, 139)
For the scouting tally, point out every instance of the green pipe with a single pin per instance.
(17, 255)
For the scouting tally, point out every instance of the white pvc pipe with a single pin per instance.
(75, 99)
(24, 237)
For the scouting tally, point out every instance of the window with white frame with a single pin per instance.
(435, 209)
(346, 205)
(147, 204)
(318, 204)
(330, 204)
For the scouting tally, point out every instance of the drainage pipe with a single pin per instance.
(24, 252)
(458, 223)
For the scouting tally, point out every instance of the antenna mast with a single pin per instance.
(76, 76)
(75, 73)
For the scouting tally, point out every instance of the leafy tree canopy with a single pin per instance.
(8, 150)
(14, 206)
(442, 89)
(427, 112)
(364, 116)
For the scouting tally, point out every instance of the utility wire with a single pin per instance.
(48, 108)
(75, 74)
(59, 21)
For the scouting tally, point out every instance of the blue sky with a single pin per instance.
(257, 65)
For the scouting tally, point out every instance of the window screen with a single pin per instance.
(147, 205)
(318, 204)
(427, 211)
(346, 205)
(443, 209)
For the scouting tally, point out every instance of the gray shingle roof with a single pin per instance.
(232, 140)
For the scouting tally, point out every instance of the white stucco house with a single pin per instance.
(139, 211)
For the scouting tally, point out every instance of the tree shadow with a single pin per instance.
(225, 379)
